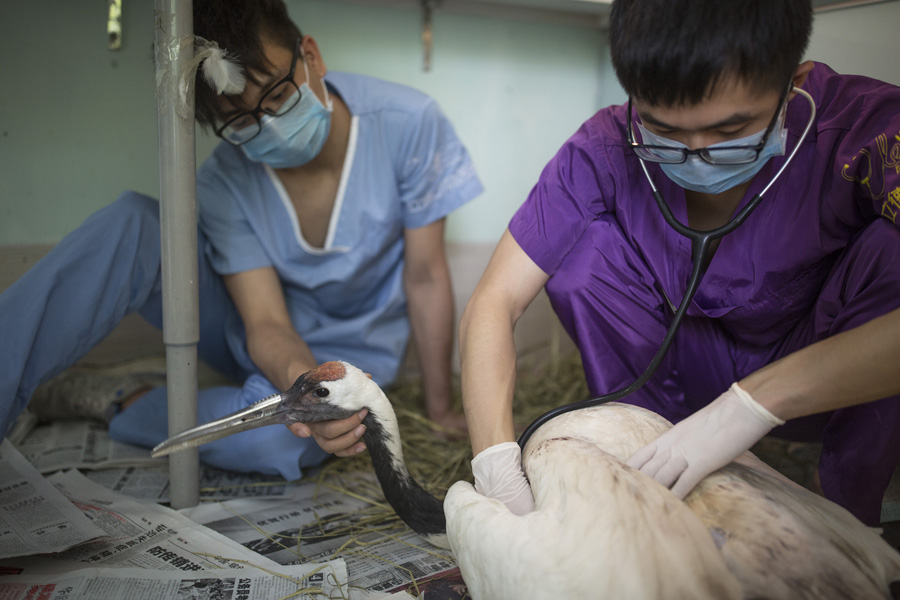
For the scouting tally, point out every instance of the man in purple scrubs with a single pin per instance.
(795, 327)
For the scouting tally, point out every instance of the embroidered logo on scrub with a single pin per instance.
(888, 158)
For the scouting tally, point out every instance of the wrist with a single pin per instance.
(483, 440)
(778, 394)
(502, 447)
(293, 371)
(751, 405)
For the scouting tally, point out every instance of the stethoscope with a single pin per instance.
(701, 242)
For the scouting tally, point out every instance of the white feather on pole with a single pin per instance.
(219, 70)
(221, 73)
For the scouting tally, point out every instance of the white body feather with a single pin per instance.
(221, 73)
(603, 530)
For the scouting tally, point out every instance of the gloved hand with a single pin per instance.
(498, 474)
(707, 440)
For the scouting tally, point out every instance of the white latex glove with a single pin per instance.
(707, 440)
(498, 474)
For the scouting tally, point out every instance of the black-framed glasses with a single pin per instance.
(726, 155)
(281, 97)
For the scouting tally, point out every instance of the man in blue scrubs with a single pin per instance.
(321, 238)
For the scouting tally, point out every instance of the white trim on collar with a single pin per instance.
(328, 247)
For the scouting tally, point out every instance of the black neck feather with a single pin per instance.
(420, 510)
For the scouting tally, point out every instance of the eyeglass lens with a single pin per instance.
(733, 155)
(717, 156)
(277, 101)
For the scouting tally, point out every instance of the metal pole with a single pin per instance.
(178, 223)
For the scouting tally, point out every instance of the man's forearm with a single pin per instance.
(487, 346)
(280, 354)
(431, 321)
(853, 367)
(488, 360)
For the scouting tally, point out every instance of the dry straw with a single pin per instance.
(434, 456)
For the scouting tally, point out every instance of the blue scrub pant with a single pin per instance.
(606, 299)
(76, 295)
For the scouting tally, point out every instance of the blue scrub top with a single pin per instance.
(405, 168)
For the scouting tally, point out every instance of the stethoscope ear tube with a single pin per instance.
(701, 241)
(700, 245)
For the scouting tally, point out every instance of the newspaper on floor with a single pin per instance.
(139, 534)
(152, 483)
(34, 516)
(80, 445)
(303, 582)
(318, 524)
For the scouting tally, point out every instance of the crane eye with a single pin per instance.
(322, 392)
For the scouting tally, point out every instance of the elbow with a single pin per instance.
(424, 275)
(484, 313)
(475, 310)
(465, 322)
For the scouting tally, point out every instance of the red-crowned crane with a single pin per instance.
(601, 529)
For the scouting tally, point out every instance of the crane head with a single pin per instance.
(333, 390)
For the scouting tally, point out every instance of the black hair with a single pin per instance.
(675, 52)
(239, 27)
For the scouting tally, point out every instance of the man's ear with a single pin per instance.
(800, 75)
(313, 57)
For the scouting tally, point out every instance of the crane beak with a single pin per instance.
(268, 411)
(297, 404)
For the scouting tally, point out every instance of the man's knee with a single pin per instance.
(865, 281)
(131, 213)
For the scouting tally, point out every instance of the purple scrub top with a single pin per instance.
(767, 274)
(819, 255)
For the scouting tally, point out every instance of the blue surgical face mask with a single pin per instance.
(700, 176)
(296, 137)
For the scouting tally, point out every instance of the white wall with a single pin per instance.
(860, 40)
(78, 122)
